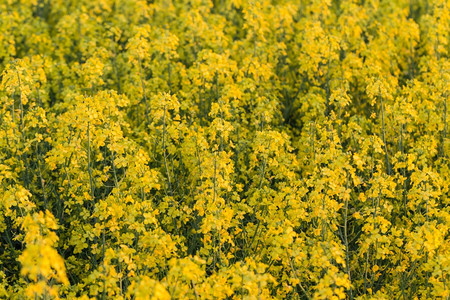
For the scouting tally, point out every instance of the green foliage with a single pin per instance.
(204, 149)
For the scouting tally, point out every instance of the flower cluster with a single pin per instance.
(224, 149)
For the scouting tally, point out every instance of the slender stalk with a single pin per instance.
(444, 133)
(91, 181)
(116, 70)
(386, 155)
(164, 152)
(103, 262)
(296, 277)
(327, 87)
(21, 129)
(44, 193)
(214, 181)
(347, 256)
(144, 94)
(195, 290)
(20, 102)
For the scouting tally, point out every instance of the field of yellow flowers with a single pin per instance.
(224, 149)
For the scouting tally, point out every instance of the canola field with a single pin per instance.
(224, 149)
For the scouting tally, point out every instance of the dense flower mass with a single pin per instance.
(224, 149)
